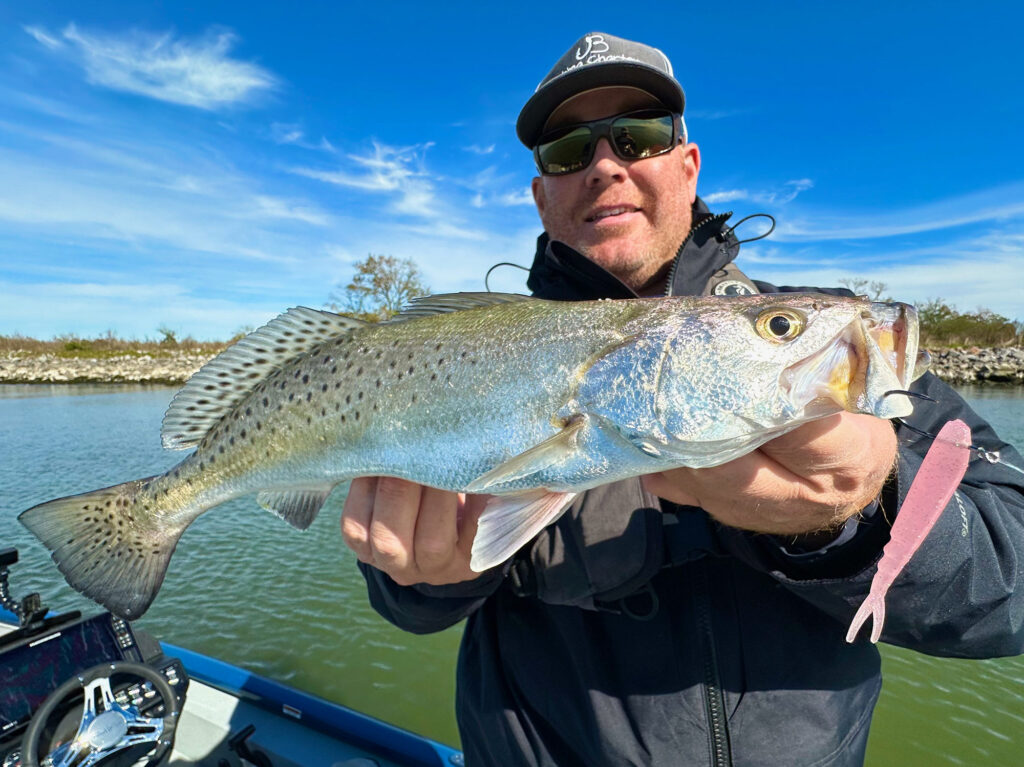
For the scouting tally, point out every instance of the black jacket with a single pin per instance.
(634, 632)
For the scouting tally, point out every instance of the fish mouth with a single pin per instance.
(862, 367)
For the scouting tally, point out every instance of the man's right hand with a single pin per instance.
(415, 534)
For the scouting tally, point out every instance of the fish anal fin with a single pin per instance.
(298, 507)
(228, 378)
(553, 450)
(510, 521)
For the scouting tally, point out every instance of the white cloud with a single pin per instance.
(277, 208)
(193, 72)
(726, 196)
(388, 169)
(949, 270)
(522, 197)
(291, 133)
(779, 196)
(477, 149)
(43, 37)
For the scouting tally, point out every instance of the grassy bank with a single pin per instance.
(105, 347)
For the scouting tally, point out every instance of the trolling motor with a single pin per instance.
(30, 610)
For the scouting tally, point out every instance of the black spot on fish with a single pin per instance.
(242, 434)
(305, 379)
(266, 401)
(309, 396)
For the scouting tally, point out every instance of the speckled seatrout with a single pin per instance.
(532, 401)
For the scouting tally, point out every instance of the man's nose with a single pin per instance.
(605, 165)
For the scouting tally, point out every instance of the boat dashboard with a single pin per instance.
(82, 691)
(85, 689)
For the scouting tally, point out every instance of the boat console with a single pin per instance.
(75, 691)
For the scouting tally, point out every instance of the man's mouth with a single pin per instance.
(609, 212)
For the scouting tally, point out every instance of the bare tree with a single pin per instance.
(380, 287)
(873, 289)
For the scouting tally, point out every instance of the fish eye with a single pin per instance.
(779, 324)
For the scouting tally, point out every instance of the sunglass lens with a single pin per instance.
(638, 135)
(568, 153)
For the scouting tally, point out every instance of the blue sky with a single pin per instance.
(204, 166)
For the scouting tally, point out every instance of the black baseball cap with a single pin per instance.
(599, 60)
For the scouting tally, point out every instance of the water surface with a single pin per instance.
(245, 587)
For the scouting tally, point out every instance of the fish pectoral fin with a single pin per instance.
(510, 521)
(551, 451)
(298, 507)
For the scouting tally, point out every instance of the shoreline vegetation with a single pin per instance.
(171, 363)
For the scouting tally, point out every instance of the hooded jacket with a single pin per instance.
(637, 632)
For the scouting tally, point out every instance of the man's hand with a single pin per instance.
(413, 533)
(807, 481)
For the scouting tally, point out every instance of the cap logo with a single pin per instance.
(595, 44)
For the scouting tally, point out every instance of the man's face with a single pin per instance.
(628, 216)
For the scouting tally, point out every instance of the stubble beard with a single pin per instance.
(643, 273)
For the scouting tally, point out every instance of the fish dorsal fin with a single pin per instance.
(226, 379)
(297, 507)
(445, 303)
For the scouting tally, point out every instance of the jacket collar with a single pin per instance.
(561, 273)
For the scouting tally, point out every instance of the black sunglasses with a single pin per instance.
(634, 135)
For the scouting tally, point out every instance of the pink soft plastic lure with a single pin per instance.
(938, 478)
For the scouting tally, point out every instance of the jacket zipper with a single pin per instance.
(679, 253)
(714, 697)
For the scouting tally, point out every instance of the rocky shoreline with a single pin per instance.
(961, 366)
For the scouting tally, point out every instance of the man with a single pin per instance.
(694, 617)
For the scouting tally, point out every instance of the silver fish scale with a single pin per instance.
(440, 400)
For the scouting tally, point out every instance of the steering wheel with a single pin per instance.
(107, 727)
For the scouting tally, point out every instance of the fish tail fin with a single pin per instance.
(106, 544)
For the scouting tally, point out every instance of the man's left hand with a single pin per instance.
(810, 480)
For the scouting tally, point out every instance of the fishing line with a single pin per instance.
(991, 456)
(487, 276)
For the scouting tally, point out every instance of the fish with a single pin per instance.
(528, 400)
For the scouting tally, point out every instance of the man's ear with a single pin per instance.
(691, 167)
(537, 187)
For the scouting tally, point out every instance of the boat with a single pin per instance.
(77, 690)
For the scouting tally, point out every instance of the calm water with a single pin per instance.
(245, 587)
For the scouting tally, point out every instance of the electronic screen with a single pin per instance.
(31, 671)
